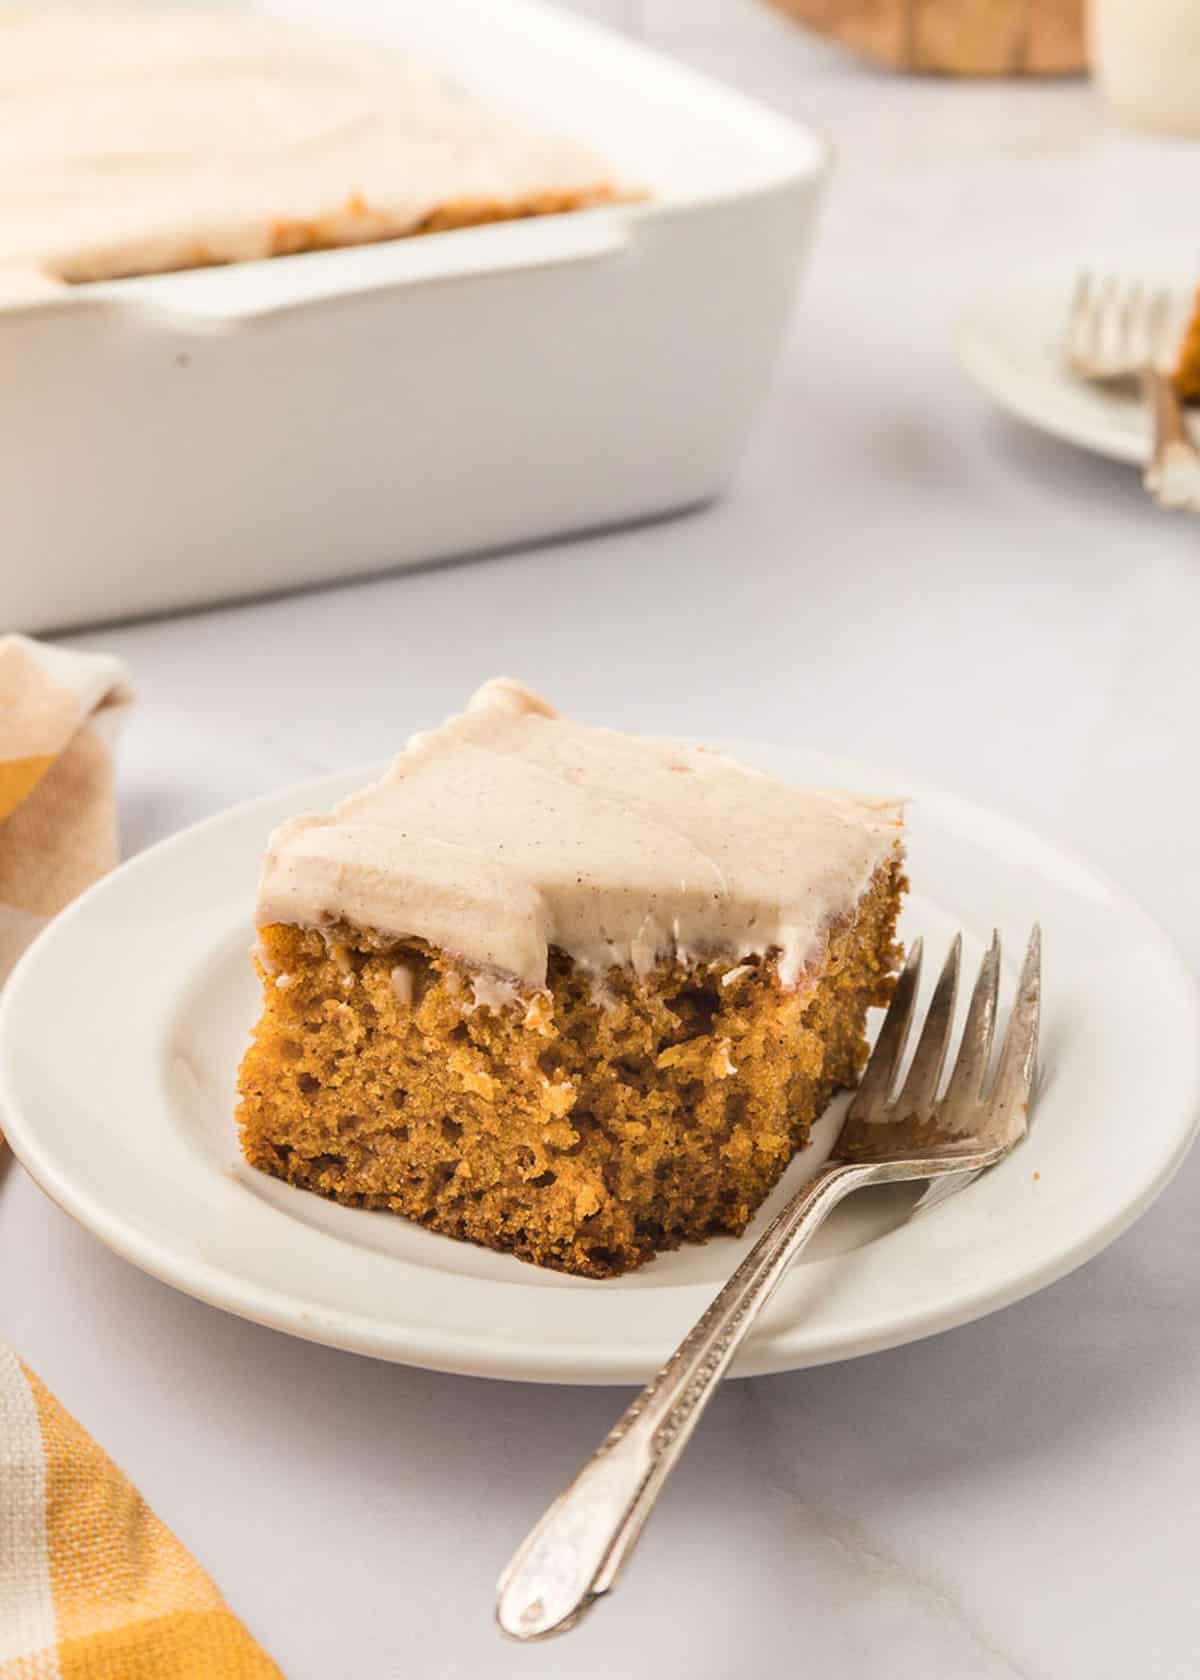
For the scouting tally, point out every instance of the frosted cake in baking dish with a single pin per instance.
(561, 991)
(136, 141)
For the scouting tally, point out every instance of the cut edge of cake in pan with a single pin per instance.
(567, 993)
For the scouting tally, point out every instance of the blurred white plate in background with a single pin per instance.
(1009, 340)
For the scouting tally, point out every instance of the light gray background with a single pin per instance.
(899, 574)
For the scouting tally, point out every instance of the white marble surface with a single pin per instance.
(898, 573)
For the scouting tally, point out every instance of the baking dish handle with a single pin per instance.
(213, 297)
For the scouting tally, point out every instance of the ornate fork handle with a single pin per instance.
(578, 1549)
(574, 1555)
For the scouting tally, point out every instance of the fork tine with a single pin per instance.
(1116, 328)
(1131, 334)
(1158, 324)
(975, 1051)
(924, 1075)
(1078, 316)
(1018, 1059)
(1124, 307)
(1102, 317)
(876, 1084)
(1091, 339)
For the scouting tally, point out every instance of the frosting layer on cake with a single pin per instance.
(135, 140)
(511, 829)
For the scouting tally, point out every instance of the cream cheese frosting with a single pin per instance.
(139, 140)
(510, 830)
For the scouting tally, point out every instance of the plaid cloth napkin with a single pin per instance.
(92, 1586)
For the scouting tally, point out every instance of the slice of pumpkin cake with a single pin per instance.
(561, 991)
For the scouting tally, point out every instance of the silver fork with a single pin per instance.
(1128, 332)
(576, 1552)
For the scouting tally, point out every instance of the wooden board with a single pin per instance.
(953, 37)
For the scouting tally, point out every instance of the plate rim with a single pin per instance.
(423, 1345)
(1009, 389)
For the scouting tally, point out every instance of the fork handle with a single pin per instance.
(577, 1550)
(1172, 474)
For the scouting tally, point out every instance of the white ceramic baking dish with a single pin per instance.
(194, 437)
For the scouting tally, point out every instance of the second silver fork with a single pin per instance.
(575, 1553)
(1126, 331)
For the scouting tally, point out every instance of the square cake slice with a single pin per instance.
(561, 991)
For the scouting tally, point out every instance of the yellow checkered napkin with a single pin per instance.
(92, 1586)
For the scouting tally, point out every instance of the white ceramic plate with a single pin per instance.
(121, 1030)
(1010, 342)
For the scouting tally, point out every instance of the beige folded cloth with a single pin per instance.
(59, 716)
(92, 1585)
